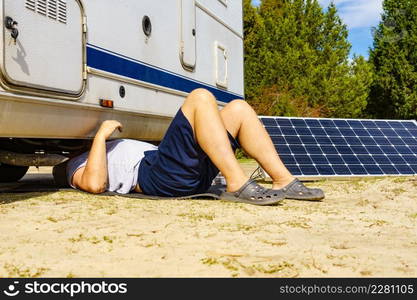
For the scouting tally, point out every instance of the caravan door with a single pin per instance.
(188, 34)
(43, 45)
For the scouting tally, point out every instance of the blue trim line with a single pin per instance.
(127, 67)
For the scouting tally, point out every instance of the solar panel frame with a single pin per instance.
(384, 147)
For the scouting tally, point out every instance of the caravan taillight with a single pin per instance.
(106, 103)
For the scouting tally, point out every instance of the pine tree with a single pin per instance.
(254, 41)
(394, 56)
(302, 61)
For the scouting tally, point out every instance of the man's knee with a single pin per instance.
(201, 96)
(239, 107)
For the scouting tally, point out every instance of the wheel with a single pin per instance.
(11, 173)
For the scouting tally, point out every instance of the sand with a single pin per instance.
(363, 228)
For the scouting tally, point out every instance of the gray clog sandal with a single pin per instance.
(298, 191)
(253, 193)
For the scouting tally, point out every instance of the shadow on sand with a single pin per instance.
(31, 186)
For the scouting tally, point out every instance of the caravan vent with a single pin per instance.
(31, 4)
(54, 9)
(62, 11)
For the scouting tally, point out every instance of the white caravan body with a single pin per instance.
(144, 55)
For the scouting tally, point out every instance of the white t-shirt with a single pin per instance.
(123, 159)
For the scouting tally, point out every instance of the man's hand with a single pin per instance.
(93, 177)
(108, 127)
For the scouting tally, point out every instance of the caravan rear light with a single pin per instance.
(106, 103)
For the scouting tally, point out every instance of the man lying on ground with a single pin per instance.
(200, 142)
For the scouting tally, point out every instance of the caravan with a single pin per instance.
(67, 65)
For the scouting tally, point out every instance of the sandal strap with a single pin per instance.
(243, 187)
(297, 189)
(253, 193)
(256, 191)
(291, 185)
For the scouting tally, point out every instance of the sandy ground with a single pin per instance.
(364, 228)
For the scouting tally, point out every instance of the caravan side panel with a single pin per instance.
(119, 55)
(48, 53)
(155, 61)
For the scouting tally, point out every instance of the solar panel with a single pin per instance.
(315, 147)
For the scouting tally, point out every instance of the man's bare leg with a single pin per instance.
(242, 122)
(200, 108)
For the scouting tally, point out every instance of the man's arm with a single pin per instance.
(93, 177)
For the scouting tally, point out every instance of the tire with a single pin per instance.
(11, 173)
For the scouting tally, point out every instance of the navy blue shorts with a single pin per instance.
(179, 167)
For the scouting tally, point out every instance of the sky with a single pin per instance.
(359, 16)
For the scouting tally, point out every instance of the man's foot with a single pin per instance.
(253, 193)
(282, 182)
(298, 191)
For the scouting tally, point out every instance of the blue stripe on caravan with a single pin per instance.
(105, 61)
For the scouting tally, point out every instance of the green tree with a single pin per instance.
(301, 64)
(394, 56)
(254, 44)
